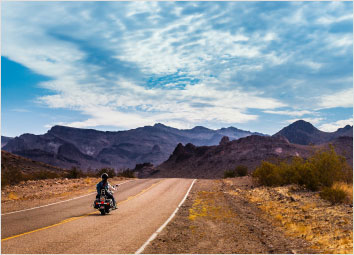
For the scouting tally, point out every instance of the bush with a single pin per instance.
(127, 173)
(268, 174)
(229, 174)
(333, 195)
(327, 166)
(42, 175)
(321, 170)
(241, 170)
(74, 173)
(110, 171)
(11, 176)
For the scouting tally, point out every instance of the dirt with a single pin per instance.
(28, 194)
(231, 216)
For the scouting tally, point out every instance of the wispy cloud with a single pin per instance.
(342, 98)
(333, 126)
(127, 64)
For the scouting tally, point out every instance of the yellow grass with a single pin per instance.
(13, 196)
(306, 218)
(347, 188)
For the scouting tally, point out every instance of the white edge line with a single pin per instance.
(154, 235)
(54, 203)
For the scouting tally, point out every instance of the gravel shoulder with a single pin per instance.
(234, 216)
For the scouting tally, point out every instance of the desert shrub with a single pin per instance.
(327, 166)
(321, 170)
(110, 171)
(74, 173)
(229, 174)
(347, 188)
(42, 175)
(11, 176)
(268, 174)
(333, 195)
(241, 170)
(127, 173)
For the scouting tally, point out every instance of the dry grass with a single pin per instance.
(347, 188)
(329, 228)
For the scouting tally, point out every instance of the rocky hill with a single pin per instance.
(192, 161)
(302, 132)
(27, 166)
(5, 140)
(88, 148)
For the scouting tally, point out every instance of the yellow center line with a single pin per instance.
(79, 217)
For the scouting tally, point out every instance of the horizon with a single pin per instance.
(253, 131)
(115, 66)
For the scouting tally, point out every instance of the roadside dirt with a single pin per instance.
(230, 216)
(30, 194)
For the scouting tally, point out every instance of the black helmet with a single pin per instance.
(104, 176)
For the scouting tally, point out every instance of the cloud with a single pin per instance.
(127, 64)
(342, 98)
(290, 113)
(333, 126)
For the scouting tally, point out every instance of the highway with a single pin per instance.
(76, 227)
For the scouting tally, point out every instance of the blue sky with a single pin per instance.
(257, 66)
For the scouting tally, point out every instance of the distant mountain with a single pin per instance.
(192, 161)
(88, 148)
(5, 140)
(302, 132)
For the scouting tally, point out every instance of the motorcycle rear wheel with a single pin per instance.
(103, 212)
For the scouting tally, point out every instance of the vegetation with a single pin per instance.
(333, 195)
(110, 171)
(11, 176)
(238, 171)
(74, 173)
(241, 170)
(229, 174)
(320, 171)
(127, 173)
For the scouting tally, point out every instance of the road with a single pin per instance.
(76, 227)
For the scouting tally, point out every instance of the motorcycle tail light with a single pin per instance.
(102, 202)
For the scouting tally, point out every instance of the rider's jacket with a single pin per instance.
(104, 185)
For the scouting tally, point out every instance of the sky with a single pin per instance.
(257, 66)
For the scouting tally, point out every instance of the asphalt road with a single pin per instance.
(76, 227)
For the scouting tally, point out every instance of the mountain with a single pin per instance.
(88, 148)
(192, 161)
(5, 140)
(302, 132)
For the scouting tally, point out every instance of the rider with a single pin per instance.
(107, 187)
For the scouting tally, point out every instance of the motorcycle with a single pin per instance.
(103, 203)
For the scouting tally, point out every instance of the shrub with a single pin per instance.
(333, 195)
(110, 171)
(11, 176)
(74, 173)
(328, 166)
(127, 173)
(268, 174)
(42, 175)
(241, 170)
(321, 170)
(229, 174)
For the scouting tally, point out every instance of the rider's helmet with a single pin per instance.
(104, 176)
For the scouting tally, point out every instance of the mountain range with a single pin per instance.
(88, 148)
(302, 132)
(65, 146)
